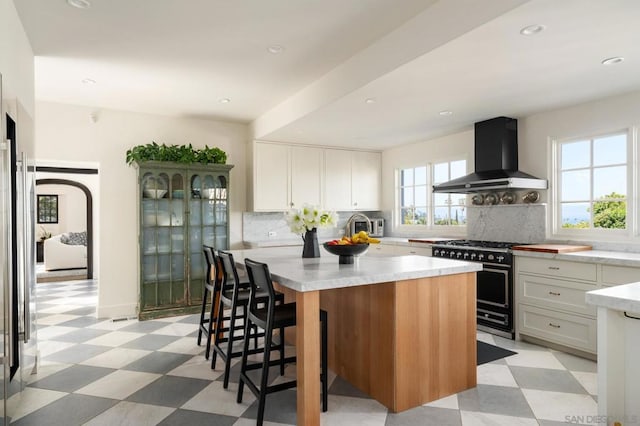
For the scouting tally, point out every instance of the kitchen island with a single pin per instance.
(401, 328)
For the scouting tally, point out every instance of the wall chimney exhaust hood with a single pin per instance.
(496, 161)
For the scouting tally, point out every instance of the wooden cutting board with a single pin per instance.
(551, 248)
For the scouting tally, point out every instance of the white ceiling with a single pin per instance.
(413, 57)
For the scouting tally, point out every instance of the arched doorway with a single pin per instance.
(89, 210)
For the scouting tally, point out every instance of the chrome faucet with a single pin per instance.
(347, 227)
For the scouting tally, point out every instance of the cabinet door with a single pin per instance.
(337, 178)
(365, 180)
(271, 178)
(162, 244)
(306, 176)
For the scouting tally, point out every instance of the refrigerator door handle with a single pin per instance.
(27, 239)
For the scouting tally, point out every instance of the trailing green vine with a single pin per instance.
(178, 153)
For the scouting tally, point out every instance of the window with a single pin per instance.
(47, 209)
(592, 176)
(418, 205)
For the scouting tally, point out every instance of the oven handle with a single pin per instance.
(504, 272)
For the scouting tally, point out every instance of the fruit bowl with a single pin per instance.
(346, 252)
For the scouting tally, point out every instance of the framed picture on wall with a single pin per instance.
(47, 208)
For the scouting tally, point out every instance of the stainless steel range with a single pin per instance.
(494, 283)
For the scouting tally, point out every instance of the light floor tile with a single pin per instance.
(58, 309)
(473, 418)
(131, 414)
(115, 338)
(185, 345)
(176, 329)
(344, 410)
(51, 332)
(534, 359)
(31, 400)
(450, 401)
(588, 380)
(486, 337)
(56, 319)
(49, 347)
(215, 399)
(112, 325)
(560, 406)
(119, 384)
(116, 357)
(252, 422)
(496, 374)
(196, 368)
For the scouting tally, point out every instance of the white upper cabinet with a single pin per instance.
(352, 180)
(286, 176)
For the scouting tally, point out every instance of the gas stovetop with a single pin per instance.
(478, 244)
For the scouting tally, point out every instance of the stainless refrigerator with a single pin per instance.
(17, 254)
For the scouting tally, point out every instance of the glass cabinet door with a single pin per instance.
(162, 239)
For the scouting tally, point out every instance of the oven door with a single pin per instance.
(493, 286)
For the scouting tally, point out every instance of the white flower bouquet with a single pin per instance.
(310, 217)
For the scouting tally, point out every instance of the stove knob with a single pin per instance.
(452, 253)
(466, 255)
(473, 256)
(436, 252)
(480, 256)
(459, 255)
(490, 257)
(500, 258)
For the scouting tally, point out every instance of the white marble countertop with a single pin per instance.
(619, 258)
(291, 270)
(624, 297)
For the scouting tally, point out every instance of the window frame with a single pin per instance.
(602, 234)
(430, 225)
(53, 212)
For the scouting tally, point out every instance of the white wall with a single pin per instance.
(72, 211)
(66, 132)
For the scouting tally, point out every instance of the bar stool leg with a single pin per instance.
(243, 362)
(264, 379)
(212, 318)
(282, 351)
(218, 334)
(324, 358)
(227, 363)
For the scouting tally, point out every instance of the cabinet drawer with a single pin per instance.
(380, 250)
(565, 329)
(407, 250)
(615, 275)
(555, 294)
(557, 268)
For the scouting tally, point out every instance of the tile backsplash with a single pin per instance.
(519, 223)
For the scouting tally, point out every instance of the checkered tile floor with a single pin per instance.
(99, 372)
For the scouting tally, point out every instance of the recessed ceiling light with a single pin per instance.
(370, 100)
(613, 60)
(275, 49)
(88, 81)
(532, 30)
(446, 112)
(224, 100)
(80, 4)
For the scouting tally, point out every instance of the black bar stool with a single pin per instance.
(210, 291)
(232, 297)
(272, 317)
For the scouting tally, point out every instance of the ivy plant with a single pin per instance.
(185, 154)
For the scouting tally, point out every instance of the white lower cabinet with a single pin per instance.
(407, 250)
(551, 304)
(397, 250)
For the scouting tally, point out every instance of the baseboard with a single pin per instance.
(118, 311)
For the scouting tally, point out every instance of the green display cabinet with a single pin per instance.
(181, 208)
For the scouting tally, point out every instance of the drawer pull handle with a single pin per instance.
(553, 325)
(553, 293)
(554, 268)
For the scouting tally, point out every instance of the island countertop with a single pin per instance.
(288, 268)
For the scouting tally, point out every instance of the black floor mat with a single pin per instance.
(488, 353)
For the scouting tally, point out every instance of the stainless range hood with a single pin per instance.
(496, 161)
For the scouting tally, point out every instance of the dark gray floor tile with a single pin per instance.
(144, 326)
(514, 345)
(158, 362)
(188, 417)
(169, 391)
(546, 379)
(72, 378)
(191, 319)
(495, 399)
(280, 407)
(425, 416)
(89, 310)
(575, 363)
(344, 388)
(149, 342)
(76, 354)
(80, 335)
(84, 321)
(69, 410)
